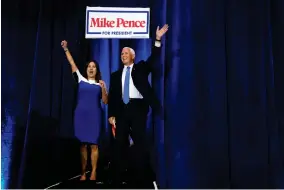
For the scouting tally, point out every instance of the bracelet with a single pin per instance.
(66, 50)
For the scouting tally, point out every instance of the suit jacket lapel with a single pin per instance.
(133, 70)
(120, 81)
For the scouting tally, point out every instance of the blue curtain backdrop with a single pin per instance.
(220, 81)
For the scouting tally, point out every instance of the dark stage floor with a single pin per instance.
(104, 176)
(75, 183)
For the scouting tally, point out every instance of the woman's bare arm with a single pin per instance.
(69, 56)
(104, 92)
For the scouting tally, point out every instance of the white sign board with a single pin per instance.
(114, 22)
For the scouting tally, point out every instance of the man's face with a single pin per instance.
(126, 56)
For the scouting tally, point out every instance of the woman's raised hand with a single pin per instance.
(64, 44)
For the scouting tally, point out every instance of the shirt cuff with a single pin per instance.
(157, 43)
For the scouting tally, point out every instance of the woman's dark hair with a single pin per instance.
(98, 74)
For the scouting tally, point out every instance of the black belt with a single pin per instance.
(134, 100)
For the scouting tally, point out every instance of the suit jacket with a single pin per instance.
(140, 72)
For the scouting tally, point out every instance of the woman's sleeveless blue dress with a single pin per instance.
(88, 112)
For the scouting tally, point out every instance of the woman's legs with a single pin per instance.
(84, 156)
(94, 159)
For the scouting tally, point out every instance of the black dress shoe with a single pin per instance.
(119, 185)
(141, 185)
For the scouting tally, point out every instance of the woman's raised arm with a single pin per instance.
(69, 56)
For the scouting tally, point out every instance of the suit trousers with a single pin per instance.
(132, 120)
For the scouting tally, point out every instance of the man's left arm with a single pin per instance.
(156, 48)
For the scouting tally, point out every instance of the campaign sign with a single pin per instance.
(114, 22)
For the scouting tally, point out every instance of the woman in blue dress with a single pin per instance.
(88, 112)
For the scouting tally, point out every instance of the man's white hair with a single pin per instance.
(131, 50)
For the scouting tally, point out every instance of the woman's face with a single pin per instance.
(91, 70)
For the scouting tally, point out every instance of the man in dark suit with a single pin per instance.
(130, 96)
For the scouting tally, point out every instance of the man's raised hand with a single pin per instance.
(161, 32)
